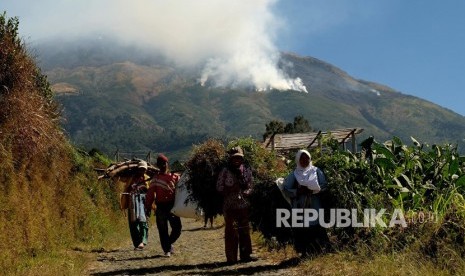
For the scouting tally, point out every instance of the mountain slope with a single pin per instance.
(128, 104)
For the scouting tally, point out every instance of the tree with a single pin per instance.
(273, 127)
(300, 125)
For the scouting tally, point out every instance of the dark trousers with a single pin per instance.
(237, 235)
(311, 240)
(163, 217)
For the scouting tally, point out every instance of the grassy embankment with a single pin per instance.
(50, 200)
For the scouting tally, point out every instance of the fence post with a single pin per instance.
(116, 155)
(354, 145)
(149, 157)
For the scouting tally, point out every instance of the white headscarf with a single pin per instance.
(306, 176)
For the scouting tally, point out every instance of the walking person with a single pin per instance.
(208, 217)
(305, 185)
(162, 190)
(134, 200)
(235, 184)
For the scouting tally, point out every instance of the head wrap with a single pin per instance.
(142, 165)
(162, 158)
(306, 176)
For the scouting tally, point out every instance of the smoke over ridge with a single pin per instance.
(233, 41)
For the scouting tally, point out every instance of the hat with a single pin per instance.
(236, 151)
(162, 158)
(142, 165)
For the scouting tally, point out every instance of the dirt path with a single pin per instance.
(198, 252)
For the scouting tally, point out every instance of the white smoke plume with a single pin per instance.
(233, 40)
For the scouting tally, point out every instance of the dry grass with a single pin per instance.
(49, 199)
(364, 261)
(347, 263)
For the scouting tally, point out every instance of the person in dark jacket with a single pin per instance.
(304, 186)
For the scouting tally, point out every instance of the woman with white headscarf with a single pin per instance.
(304, 186)
(306, 173)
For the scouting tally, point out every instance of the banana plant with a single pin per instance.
(408, 175)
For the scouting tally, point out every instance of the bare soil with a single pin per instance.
(199, 251)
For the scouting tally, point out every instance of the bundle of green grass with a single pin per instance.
(208, 159)
(203, 167)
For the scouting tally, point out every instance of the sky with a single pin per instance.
(416, 47)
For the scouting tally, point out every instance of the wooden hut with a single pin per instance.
(286, 142)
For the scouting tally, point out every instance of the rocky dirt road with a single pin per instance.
(199, 251)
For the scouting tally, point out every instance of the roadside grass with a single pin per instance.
(366, 263)
(53, 263)
(366, 260)
(74, 259)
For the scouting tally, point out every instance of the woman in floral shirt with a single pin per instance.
(235, 184)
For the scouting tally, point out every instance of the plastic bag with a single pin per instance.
(182, 208)
(280, 183)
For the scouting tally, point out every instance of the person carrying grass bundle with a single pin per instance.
(235, 184)
(208, 217)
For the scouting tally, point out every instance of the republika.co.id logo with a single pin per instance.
(296, 218)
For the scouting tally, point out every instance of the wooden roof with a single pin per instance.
(284, 142)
